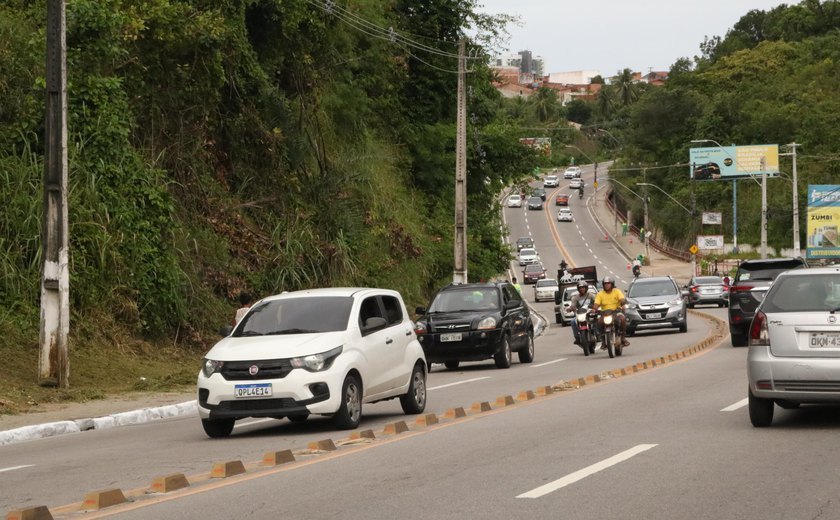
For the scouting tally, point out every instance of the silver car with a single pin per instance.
(794, 354)
(655, 302)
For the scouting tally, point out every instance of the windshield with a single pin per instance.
(765, 271)
(809, 293)
(647, 289)
(296, 316)
(468, 299)
(527, 251)
(533, 268)
(546, 283)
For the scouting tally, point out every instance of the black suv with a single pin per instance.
(523, 242)
(751, 283)
(476, 321)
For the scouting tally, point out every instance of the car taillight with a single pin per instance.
(759, 334)
(694, 289)
(739, 288)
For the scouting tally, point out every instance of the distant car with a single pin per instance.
(523, 242)
(706, 172)
(535, 203)
(544, 289)
(476, 321)
(565, 215)
(707, 290)
(576, 183)
(752, 280)
(562, 200)
(563, 314)
(528, 255)
(533, 272)
(551, 181)
(794, 355)
(319, 351)
(655, 302)
(572, 172)
(514, 201)
(539, 192)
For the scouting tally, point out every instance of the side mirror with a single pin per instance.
(420, 310)
(225, 331)
(684, 293)
(374, 323)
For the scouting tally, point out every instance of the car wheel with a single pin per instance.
(690, 305)
(349, 413)
(414, 401)
(503, 356)
(218, 428)
(761, 411)
(739, 339)
(558, 320)
(298, 418)
(684, 325)
(526, 355)
(451, 365)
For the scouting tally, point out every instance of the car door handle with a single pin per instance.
(389, 341)
(408, 333)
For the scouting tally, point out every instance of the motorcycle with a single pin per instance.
(610, 338)
(586, 330)
(636, 271)
(580, 193)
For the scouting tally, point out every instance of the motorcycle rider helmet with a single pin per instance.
(608, 280)
(582, 285)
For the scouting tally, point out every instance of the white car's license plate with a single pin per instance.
(710, 291)
(451, 337)
(654, 315)
(255, 390)
(825, 340)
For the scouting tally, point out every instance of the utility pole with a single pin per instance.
(647, 222)
(796, 245)
(54, 362)
(763, 213)
(735, 216)
(460, 273)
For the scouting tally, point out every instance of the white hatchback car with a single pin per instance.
(528, 255)
(319, 351)
(572, 172)
(551, 181)
(544, 289)
(564, 215)
(576, 183)
(514, 201)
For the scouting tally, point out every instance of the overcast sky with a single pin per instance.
(609, 35)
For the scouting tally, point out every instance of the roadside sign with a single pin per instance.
(693, 249)
(595, 184)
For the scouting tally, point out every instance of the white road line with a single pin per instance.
(585, 472)
(732, 407)
(458, 383)
(549, 363)
(16, 467)
(252, 423)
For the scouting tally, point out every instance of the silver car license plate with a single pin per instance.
(456, 336)
(255, 390)
(825, 340)
(654, 315)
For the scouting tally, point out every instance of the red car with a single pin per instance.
(532, 273)
(562, 200)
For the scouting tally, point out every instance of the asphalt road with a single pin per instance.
(669, 442)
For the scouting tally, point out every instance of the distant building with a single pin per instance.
(530, 67)
(656, 77)
(575, 77)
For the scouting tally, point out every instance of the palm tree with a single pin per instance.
(545, 104)
(626, 88)
(605, 101)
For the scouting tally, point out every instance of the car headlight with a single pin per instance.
(675, 303)
(632, 305)
(316, 362)
(487, 323)
(211, 366)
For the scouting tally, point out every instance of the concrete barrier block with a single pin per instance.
(276, 458)
(322, 445)
(396, 428)
(479, 407)
(455, 413)
(544, 390)
(426, 420)
(227, 469)
(525, 395)
(364, 434)
(169, 483)
(32, 513)
(505, 400)
(101, 499)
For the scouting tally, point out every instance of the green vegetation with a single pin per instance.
(223, 147)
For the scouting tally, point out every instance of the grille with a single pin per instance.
(268, 369)
(808, 386)
(455, 327)
(257, 405)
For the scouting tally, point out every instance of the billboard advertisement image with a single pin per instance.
(733, 162)
(823, 221)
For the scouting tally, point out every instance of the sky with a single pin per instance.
(610, 35)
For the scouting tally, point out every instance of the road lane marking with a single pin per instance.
(458, 383)
(12, 468)
(585, 472)
(732, 407)
(549, 363)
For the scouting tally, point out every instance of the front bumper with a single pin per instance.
(672, 317)
(475, 345)
(796, 379)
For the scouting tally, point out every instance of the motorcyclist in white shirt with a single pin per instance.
(585, 296)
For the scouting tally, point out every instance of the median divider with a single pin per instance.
(32, 513)
(525, 395)
(481, 406)
(426, 420)
(455, 413)
(504, 400)
(101, 499)
(276, 458)
(322, 445)
(396, 428)
(169, 483)
(227, 469)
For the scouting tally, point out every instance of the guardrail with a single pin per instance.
(673, 252)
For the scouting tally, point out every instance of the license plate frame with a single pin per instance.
(253, 390)
(451, 337)
(831, 340)
(653, 316)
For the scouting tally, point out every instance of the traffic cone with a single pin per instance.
(628, 266)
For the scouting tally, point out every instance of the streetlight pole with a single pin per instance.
(763, 214)
(796, 245)
(690, 212)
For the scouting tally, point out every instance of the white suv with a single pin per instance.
(551, 181)
(572, 172)
(320, 351)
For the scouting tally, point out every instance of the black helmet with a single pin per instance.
(608, 279)
(582, 283)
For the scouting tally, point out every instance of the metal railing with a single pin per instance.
(665, 249)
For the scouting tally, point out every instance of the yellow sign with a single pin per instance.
(596, 185)
(693, 249)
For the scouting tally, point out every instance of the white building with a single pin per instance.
(573, 77)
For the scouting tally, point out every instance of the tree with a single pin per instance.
(605, 102)
(545, 104)
(579, 111)
(627, 91)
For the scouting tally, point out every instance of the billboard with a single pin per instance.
(733, 162)
(823, 221)
(709, 242)
(712, 218)
(541, 144)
